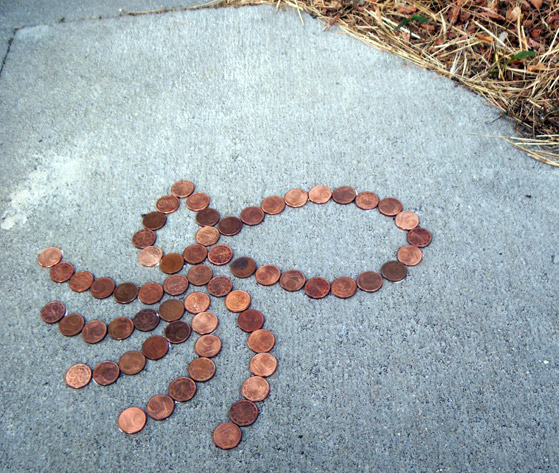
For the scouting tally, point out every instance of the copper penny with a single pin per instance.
(201, 369)
(263, 364)
(49, 257)
(369, 281)
(177, 332)
(230, 226)
(175, 285)
(132, 420)
(78, 376)
(208, 346)
(344, 195)
(94, 331)
(207, 236)
(182, 189)
(182, 389)
(406, 220)
(195, 254)
(150, 256)
(167, 204)
(207, 217)
(102, 288)
(292, 280)
(155, 347)
(237, 301)
(227, 436)
(366, 200)
(204, 323)
(320, 194)
(317, 288)
(255, 389)
(261, 341)
(143, 238)
(197, 201)
(252, 215)
(71, 325)
(267, 275)
(81, 281)
(160, 406)
(197, 302)
(243, 413)
(61, 272)
(199, 275)
(125, 293)
(273, 205)
(53, 312)
(390, 206)
(132, 362)
(171, 263)
(220, 286)
(344, 287)
(220, 255)
(154, 220)
(420, 237)
(243, 267)
(106, 373)
(121, 328)
(410, 255)
(250, 320)
(171, 310)
(296, 198)
(151, 293)
(393, 271)
(146, 320)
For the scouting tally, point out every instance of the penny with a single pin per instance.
(243, 267)
(261, 341)
(175, 285)
(155, 347)
(252, 215)
(171, 310)
(207, 217)
(292, 280)
(237, 301)
(121, 328)
(220, 255)
(71, 325)
(199, 275)
(182, 189)
(201, 369)
(94, 331)
(144, 238)
(420, 237)
(250, 320)
(230, 226)
(220, 286)
(131, 420)
(160, 406)
(320, 194)
(317, 288)
(344, 287)
(49, 257)
(78, 376)
(243, 413)
(197, 201)
(255, 389)
(263, 364)
(393, 271)
(171, 263)
(150, 256)
(177, 332)
(195, 254)
(125, 293)
(61, 272)
(226, 436)
(296, 198)
(150, 293)
(410, 255)
(53, 312)
(207, 236)
(182, 389)
(167, 204)
(390, 206)
(106, 373)
(102, 288)
(406, 220)
(197, 302)
(154, 220)
(366, 200)
(273, 205)
(81, 281)
(344, 195)
(208, 346)
(369, 281)
(132, 362)
(267, 275)
(146, 320)
(204, 323)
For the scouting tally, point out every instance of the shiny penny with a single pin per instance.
(199, 275)
(250, 320)
(263, 364)
(154, 220)
(420, 237)
(243, 413)
(369, 281)
(252, 215)
(255, 389)
(344, 195)
(150, 256)
(78, 376)
(406, 220)
(207, 236)
(344, 287)
(132, 362)
(393, 271)
(125, 293)
(220, 255)
(94, 331)
(230, 226)
(71, 325)
(243, 267)
(132, 420)
(390, 206)
(292, 280)
(177, 332)
(106, 373)
(261, 341)
(317, 288)
(121, 328)
(296, 198)
(220, 286)
(167, 204)
(144, 238)
(61, 272)
(267, 275)
(208, 346)
(366, 200)
(201, 369)
(102, 288)
(182, 389)
(320, 194)
(237, 301)
(155, 347)
(171, 310)
(273, 205)
(182, 189)
(171, 263)
(175, 284)
(197, 302)
(207, 217)
(146, 320)
(410, 255)
(204, 323)
(160, 406)
(151, 293)
(195, 254)
(53, 312)
(227, 436)
(81, 281)
(49, 257)
(197, 201)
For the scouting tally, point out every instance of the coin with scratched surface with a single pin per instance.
(227, 436)
(344, 195)
(132, 362)
(204, 323)
(53, 312)
(182, 389)
(317, 288)
(208, 346)
(106, 373)
(125, 293)
(49, 257)
(167, 204)
(150, 293)
(146, 320)
(207, 217)
(102, 288)
(220, 255)
(121, 328)
(160, 406)
(393, 271)
(267, 275)
(182, 189)
(366, 200)
(369, 281)
(273, 205)
(410, 255)
(197, 302)
(390, 206)
(320, 194)
(420, 237)
(199, 275)
(201, 369)
(261, 341)
(292, 280)
(78, 376)
(237, 300)
(198, 201)
(243, 267)
(344, 287)
(71, 325)
(296, 198)
(150, 256)
(207, 236)
(263, 364)
(220, 286)
(171, 310)
(250, 320)
(177, 332)
(81, 281)
(243, 413)
(94, 331)
(252, 215)
(132, 420)
(406, 220)
(154, 220)
(143, 238)
(61, 272)
(175, 284)
(155, 347)
(195, 254)
(255, 389)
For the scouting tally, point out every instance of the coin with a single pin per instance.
(78, 376)
(344, 287)
(182, 389)
(237, 300)
(81, 281)
(49, 257)
(230, 226)
(102, 288)
(366, 200)
(106, 373)
(420, 237)
(125, 293)
(201, 369)
(252, 215)
(146, 320)
(227, 436)
(61, 272)
(261, 341)
(150, 293)
(150, 256)
(171, 263)
(292, 280)
(195, 254)
(243, 413)
(207, 236)
(204, 323)
(207, 217)
(267, 275)
(273, 205)
(250, 320)
(171, 310)
(94, 331)
(175, 284)
(243, 267)
(220, 286)
(410, 255)
(255, 389)
(406, 220)
(182, 189)
(390, 206)
(71, 325)
(197, 201)
(369, 281)
(197, 302)
(160, 406)
(317, 288)
(167, 204)
(131, 420)
(208, 346)
(393, 271)
(144, 238)
(199, 275)
(177, 332)
(320, 194)
(155, 347)
(344, 195)
(121, 328)
(296, 198)
(263, 364)
(132, 362)
(220, 255)
(53, 312)
(154, 220)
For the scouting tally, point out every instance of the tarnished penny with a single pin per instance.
(132, 362)
(175, 284)
(366, 200)
(201, 369)
(243, 413)
(144, 238)
(151, 293)
(406, 220)
(146, 320)
(292, 280)
(393, 271)
(320, 194)
(106, 373)
(182, 189)
(132, 420)
(237, 300)
(167, 204)
(177, 332)
(227, 436)
(195, 254)
(317, 288)
(344, 287)
(197, 302)
(243, 267)
(78, 376)
(208, 346)
(220, 255)
(160, 406)
(410, 255)
(182, 389)
(49, 257)
(273, 205)
(53, 312)
(204, 323)
(125, 293)
(267, 275)
(71, 325)
(390, 206)
(369, 281)
(261, 341)
(171, 310)
(94, 331)
(81, 281)
(121, 328)
(150, 256)
(252, 215)
(230, 226)
(171, 263)
(296, 198)
(102, 288)
(255, 389)
(220, 286)
(420, 237)
(344, 195)
(199, 275)
(154, 220)
(61, 272)
(197, 201)
(207, 217)
(250, 320)
(263, 364)
(207, 236)
(155, 347)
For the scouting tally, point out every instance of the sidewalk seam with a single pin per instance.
(10, 41)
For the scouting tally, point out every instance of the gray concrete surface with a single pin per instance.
(455, 369)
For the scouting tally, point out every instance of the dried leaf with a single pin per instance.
(491, 14)
(514, 13)
(536, 3)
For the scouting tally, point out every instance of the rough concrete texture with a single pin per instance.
(454, 369)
